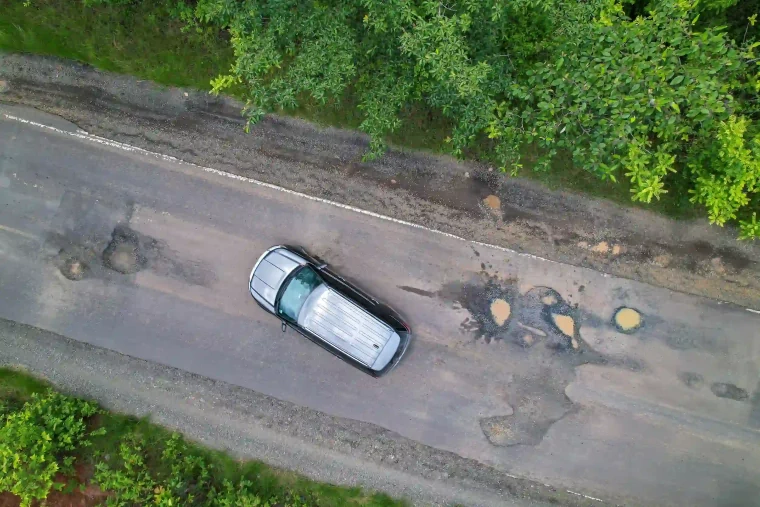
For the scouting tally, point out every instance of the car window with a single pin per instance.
(295, 294)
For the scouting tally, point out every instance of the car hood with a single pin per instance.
(270, 272)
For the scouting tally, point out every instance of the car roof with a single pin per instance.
(348, 327)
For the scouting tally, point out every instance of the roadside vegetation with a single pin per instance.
(654, 101)
(70, 451)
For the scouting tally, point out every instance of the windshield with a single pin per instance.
(295, 294)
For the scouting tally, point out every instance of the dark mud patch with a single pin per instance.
(123, 253)
(754, 414)
(730, 391)
(419, 292)
(129, 252)
(480, 300)
(695, 256)
(691, 379)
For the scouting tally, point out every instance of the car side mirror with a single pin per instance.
(284, 327)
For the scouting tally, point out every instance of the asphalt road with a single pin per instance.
(666, 415)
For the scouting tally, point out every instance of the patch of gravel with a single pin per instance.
(254, 426)
(434, 191)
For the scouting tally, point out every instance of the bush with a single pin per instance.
(136, 462)
(38, 441)
(184, 478)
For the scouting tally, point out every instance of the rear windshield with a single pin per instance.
(297, 291)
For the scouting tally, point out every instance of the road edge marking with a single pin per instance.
(86, 136)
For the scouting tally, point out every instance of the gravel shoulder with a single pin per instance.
(254, 426)
(465, 199)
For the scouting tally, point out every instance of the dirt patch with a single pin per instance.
(627, 320)
(492, 202)
(500, 311)
(565, 324)
(419, 292)
(730, 391)
(549, 300)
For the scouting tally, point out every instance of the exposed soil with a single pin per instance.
(627, 320)
(465, 199)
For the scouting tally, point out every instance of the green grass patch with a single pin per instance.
(145, 40)
(140, 39)
(142, 463)
(18, 386)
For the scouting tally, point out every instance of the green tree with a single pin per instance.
(644, 98)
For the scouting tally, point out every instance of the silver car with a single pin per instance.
(304, 294)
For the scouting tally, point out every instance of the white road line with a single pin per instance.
(584, 496)
(81, 134)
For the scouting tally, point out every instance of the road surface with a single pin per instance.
(516, 361)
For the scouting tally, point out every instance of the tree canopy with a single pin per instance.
(658, 92)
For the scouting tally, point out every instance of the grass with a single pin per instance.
(144, 40)
(16, 387)
(141, 39)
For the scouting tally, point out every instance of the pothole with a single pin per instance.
(492, 202)
(74, 269)
(730, 391)
(500, 311)
(565, 324)
(627, 320)
(123, 252)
